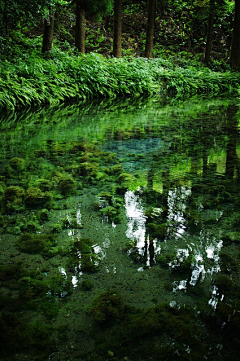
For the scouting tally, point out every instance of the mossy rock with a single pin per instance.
(82, 256)
(107, 307)
(44, 184)
(112, 213)
(18, 164)
(13, 198)
(78, 147)
(37, 243)
(125, 178)
(43, 215)
(106, 197)
(115, 170)
(86, 285)
(12, 271)
(87, 169)
(66, 186)
(59, 285)
(35, 198)
(30, 288)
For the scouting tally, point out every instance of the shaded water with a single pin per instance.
(120, 232)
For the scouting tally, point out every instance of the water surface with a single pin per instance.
(120, 232)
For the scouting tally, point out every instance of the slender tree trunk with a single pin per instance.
(117, 28)
(150, 28)
(235, 47)
(48, 33)
(208, 48)
(80, 34)
(5, 17)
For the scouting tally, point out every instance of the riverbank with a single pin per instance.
(31, 79)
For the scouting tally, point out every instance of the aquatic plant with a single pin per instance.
(35, 198)
(82, 256)
(13, 198)
(107, 307)
(37, 243)
(66, 185)
(18, 164)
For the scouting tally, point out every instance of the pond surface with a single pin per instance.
(120, 232)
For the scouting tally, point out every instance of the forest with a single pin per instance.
(58, 51)
(119, 180)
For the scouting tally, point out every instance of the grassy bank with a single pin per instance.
(29, 79)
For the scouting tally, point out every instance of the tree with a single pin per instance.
(150, 28)
(208, 47)
(80, 32)
(91, 8)
(48, 33)
(117, 28)
(235, 47)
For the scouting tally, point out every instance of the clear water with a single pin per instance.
(120, 232)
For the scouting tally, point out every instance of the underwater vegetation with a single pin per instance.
(108, 253)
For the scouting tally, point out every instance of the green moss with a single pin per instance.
(2, 188)
(44, 184)
(87, 169)
(78, 147)
(111, 213)
(14, 332)
(35, 198)
(31, 226)
(107, 307)
(66, 185)
(86, 285)
(37, 243)
(30, 288)
(106, 197)
(59, 285)
(115, 170)
(82, 256)
(18, 164)
(13, 198)
(43, 215)
(12, 271)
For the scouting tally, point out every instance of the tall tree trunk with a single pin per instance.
(208, 48)
(235, 47)
(117, 28)
(48, 33)
(80, 33)
(150, 28)
(5, 17)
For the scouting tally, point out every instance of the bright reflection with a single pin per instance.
(176, 206)
(136, 227)
(79, 217)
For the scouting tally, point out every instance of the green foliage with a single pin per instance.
(82, 256)
(107, 307)
(43, 244)
(36, 80)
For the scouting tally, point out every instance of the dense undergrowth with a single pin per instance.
(31, 79)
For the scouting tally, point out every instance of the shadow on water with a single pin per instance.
(120, 232)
